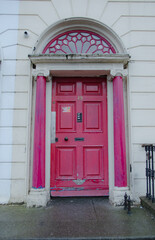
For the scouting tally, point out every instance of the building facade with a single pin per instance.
(77, 88)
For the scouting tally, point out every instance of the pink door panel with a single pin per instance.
(66, 163)
(93, 162)
(92, 116)
(65, 116)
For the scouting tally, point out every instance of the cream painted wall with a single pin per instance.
(8, 43)
(132, 20)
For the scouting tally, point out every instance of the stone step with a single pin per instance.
(146, 203)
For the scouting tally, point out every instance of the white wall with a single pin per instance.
(8, 42)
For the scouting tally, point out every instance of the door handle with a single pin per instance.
(66, 139)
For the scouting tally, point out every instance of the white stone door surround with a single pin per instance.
(48, 65)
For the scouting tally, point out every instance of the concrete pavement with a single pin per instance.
(76, 218)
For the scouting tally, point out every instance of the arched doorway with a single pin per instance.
(72, 49)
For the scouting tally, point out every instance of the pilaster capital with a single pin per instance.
(117, 72)
(41, 72)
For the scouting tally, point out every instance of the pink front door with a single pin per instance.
(79, 157)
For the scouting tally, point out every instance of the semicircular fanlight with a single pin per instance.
(79, 42)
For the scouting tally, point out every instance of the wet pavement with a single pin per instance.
(81, 218)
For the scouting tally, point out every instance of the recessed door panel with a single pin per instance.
(66, 162)
(92, 88)
(92, 116)
(93, 158)
(66, 88)
(79, 156)
(65, 116)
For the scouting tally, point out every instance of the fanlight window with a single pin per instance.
(79, 42)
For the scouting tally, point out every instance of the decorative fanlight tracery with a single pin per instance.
(79, 42)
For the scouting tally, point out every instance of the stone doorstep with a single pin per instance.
(146, 203)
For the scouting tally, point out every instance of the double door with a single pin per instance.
(79, 156)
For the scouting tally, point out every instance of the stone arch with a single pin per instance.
(80, 23)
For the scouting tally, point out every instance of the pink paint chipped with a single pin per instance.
(79, 42)
(38, 180)
(119, 133)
